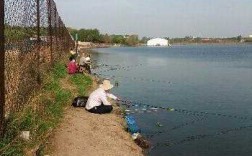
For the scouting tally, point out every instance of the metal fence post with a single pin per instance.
(38, 41)
(38, 21)
(49, 5)
(2, 58)
(55, 29)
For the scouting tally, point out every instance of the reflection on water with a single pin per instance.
(210, 88)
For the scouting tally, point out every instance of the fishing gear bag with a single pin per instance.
(80, 101)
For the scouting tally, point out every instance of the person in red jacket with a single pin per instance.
(72, 67)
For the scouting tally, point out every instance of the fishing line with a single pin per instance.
(189, 138)
(201, 136)
(184, 111)
(133, 78)
(151, 135)
(103, 65)
(99, 66)
(116, 68)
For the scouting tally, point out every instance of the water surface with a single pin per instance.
(216, 79)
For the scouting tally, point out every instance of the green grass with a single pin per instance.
(81, 82)
(45, 116)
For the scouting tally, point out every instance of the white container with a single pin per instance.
(25, 135)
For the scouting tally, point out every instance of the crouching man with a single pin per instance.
(97, 101)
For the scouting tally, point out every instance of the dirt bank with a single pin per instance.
(85, 134)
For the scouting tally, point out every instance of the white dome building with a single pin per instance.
(158, 42)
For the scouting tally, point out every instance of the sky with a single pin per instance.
(160, 18)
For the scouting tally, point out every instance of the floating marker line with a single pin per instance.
(134, 78)
(201, 136)
(126, 68)
(184, 111)
(151, 135)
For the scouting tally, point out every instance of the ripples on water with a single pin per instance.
(212, 79)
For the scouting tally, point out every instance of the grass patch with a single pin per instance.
(42, 114)
(81, 82)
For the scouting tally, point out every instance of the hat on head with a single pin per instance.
(106, 85)
(87, 58)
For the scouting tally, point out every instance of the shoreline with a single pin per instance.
(98, 45)
(85, 133)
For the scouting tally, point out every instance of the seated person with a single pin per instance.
(72, 67)
(73, 53)
(97, 101)
(85, 63)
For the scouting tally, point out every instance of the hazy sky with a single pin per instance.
(160, 18)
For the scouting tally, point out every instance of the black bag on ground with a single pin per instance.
(80, 101)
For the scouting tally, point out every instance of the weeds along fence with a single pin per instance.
(32, 36)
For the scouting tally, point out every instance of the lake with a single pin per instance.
(209, 88)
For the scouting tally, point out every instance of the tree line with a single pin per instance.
(16, 33)
(94, 35)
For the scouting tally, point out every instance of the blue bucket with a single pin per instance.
(132, 125)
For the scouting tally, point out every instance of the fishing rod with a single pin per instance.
(184, 111)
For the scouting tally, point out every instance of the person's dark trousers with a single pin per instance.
(102, 109)
(87, 66)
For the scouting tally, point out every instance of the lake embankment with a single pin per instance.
(83, 133)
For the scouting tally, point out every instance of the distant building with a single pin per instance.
(250, 36)
(158, 42)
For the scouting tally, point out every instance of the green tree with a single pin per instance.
(73, 32)
(106, 39)
(89, 35)
(144, 40)
(239, 38)
(132, 40)
(118, 39)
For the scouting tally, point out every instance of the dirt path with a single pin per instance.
(86, 134)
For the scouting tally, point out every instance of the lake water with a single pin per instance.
(209, 86)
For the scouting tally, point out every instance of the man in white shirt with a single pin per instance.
(97, 101)
(85, 63)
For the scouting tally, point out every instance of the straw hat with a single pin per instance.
(106, 85)
(87, 58)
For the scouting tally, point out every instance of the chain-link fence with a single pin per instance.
(32, 35)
